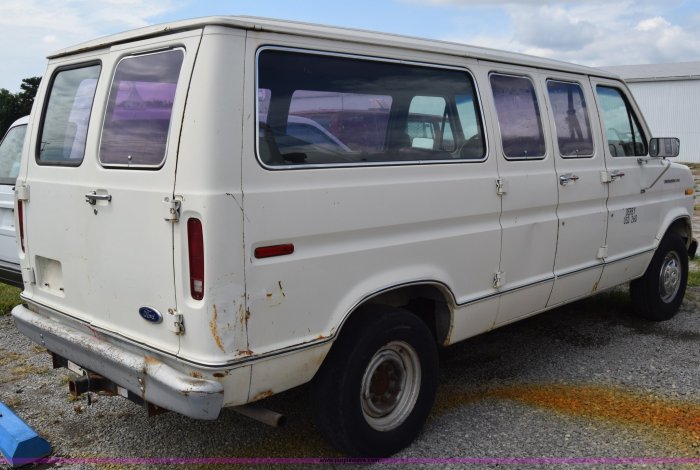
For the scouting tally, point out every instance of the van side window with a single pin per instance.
(571, 119)
(518, 117)
(320, 110)
(137, 121)
(65, 123)
(622, 126)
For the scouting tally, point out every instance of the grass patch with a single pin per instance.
(693, 276)
(9, 297)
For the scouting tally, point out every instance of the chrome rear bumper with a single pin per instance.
(142, 374)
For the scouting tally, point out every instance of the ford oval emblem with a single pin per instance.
(150, 314)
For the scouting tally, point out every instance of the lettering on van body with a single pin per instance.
(630, 216)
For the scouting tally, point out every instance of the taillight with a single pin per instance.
(195, 245)
(20, 216)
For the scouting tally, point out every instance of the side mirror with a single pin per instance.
(664, 147)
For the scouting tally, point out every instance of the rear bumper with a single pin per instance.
(142, 374)
(11, 274)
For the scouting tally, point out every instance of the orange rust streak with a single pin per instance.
(611, 404)
(214, 327)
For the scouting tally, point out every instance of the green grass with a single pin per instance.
(9, 297)
(693, 276)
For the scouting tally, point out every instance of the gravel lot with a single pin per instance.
(584, 381)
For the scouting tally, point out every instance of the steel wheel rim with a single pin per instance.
(670, 277)
(390, 386)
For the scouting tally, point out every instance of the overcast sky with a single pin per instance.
(589, 32)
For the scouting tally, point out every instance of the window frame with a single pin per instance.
(319, 52)
(588, 117)
(45, 106)
(115, 166)
(635, 114)
(543, 129)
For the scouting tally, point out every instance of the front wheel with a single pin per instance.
(658, 294)
(377, 385)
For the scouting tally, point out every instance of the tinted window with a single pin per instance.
(65, 125)
(621, 125)
(137, 121)
(518, 117)
(10, 154)
(571, 119)
(321, 110)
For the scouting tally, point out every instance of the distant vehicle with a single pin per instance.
(10, 153)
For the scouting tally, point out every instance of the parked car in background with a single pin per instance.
(10, 153)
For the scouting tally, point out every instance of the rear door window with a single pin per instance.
(518, 117)
(10, 154)
(65, 123)
(137, 121)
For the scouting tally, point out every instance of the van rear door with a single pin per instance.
(100, 185)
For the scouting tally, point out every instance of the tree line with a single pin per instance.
(15, 105)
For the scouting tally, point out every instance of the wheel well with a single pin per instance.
(683, 228)
(431, 303)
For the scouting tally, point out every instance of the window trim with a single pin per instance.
(539, 109)
(588, 115)
(113, 166)
(45, 106)
(630, 109)
(367, 58)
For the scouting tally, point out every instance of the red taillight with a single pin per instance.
(275, 250)
(195, 245)
(20, 216)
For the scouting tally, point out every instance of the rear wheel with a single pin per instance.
(377, 385)
(658, 294)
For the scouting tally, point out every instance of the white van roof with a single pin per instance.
(332, 32)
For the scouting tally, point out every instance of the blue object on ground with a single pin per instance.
(19, 444)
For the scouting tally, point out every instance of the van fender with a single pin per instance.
(676, 216)
(386, 282)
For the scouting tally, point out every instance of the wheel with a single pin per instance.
(658, 294)
(375, 389)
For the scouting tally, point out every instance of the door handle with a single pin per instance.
(92, 197)
(614, 175)
(567, 178)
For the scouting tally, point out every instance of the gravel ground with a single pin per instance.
(585, 381)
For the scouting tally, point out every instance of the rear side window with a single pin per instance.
(65, 124)
(571, 119)
(137, 121)
(318, 110)
(10, 154)
(621, 125)
(518, 117)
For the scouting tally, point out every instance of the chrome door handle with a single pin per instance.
(92, 197)
(616, 174)
(567, 178)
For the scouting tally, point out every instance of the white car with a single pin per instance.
(10, 153)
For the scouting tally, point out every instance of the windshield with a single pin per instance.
(10, 153)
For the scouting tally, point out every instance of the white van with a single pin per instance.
(190, 242)
(10, 153)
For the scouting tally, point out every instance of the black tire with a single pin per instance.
(658, 294)
(400, 349)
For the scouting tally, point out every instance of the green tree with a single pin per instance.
(15, 105)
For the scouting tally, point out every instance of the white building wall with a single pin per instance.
(672, 109)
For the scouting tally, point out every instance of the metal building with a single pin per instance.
(669, 95)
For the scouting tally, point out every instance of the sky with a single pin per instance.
(588, 32)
